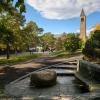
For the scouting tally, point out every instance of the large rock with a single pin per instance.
(44, 78)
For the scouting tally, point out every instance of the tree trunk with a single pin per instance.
(8, 51)
(16, 51)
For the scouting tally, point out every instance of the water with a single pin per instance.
(66, 85)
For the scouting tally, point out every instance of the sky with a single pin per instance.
(58, 16)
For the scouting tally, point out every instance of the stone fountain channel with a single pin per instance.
(66, 84)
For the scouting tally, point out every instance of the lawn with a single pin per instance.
(26, 56)
(19, 58)
(65, 53)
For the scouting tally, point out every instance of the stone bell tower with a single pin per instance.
(82, 26)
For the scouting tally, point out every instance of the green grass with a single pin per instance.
(59, 53)
(64, 53)
(19, 58)
(26, 56)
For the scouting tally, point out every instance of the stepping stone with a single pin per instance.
(61, 72)
(65, 74)
(64, 67)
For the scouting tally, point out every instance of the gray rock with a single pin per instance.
(45, 78)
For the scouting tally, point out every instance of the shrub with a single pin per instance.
(92, 45)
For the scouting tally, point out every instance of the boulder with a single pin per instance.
(45, 78)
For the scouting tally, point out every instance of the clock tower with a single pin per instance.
(82, 26)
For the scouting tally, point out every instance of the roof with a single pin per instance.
(82, 13)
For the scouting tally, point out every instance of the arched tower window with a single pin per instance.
(82, 19)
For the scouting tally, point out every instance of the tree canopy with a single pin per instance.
(92, 45)
(30, 33)
(7, 5)
(48, 41)
(72, 42)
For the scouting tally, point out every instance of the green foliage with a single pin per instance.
(65, 53)
(72, 42)
(30, 34)
(10, 29)
(59, 45)
(48, 41)
(14, 34)
(92, 45)
(20, 58)
(6, 35)
(60, 53)
(6, 5)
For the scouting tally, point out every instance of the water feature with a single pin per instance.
(66, 84)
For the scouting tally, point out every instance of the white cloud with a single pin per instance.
(90, 29)
(64, 9)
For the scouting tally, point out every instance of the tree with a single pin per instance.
(7, 37)
(10, 21)
(10, 28)
(92, 45)
(6, 5)
(48, 41)
(40, 30)
(30, 34)
(72, 42)
(60, 42)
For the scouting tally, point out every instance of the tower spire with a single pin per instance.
(82, 12)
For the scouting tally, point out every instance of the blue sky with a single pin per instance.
(58, 22)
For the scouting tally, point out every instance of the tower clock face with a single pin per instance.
(82, 19)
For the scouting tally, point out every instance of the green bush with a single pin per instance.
(92, 45)
(72, 42)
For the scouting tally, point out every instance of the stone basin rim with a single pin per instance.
(37, 70)
(25, 76)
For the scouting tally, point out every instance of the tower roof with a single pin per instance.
(82, 13)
